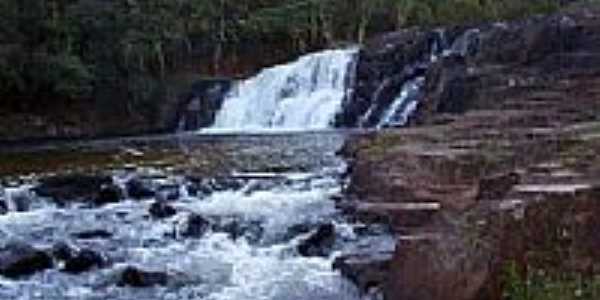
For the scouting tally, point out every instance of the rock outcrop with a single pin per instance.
(501, 172)
(200, 106)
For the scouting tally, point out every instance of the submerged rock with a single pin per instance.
(207, 186)
(195, 226)
(93, 234)
(75, 261)
(135, 277)
(83, 261)
(139, 189)
(251, 230)
(319, 243)
(20, 259)
(62, 251)
(168, 192)
(161, 210)
(109, 193)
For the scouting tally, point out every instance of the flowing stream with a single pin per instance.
(270, 195)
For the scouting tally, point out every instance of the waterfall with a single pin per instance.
(404, 104)
(305, 94)
(407, 101)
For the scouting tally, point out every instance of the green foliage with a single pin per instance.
(541, 286)
(80, 48)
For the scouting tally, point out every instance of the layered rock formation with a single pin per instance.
(502, 173)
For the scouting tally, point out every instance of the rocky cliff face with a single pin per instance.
(502, 169)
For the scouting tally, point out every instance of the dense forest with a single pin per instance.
(72, 50)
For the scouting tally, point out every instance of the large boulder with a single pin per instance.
(65, 189)
(319, 243)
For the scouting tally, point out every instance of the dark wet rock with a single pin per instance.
(206, 186)
(93, 234)
(75, 187)
(3, 204)
(192, 189)
(22, 202)
(19, 199)
(139, 189)
(62, 251)
(83, 261)
(161, 210)
(250, 230)
(319, 243)
(3, 207)
(138, 278)
(385, 63)
(109, 193)
(365, 271)
(195, 226)
(297, 230)
(199, 107)
(19, 259)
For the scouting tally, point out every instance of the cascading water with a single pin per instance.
(245, 234)
(303, 95)
(406, 103)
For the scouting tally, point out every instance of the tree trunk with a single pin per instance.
(218, 54)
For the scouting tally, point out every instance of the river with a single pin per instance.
(265, 198)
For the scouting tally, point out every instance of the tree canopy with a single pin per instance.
(84, 49)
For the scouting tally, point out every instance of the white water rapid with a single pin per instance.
(267, 229)
(302, 95)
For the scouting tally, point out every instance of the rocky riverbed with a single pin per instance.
(180, 217)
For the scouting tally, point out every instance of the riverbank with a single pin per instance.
(500, 175)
